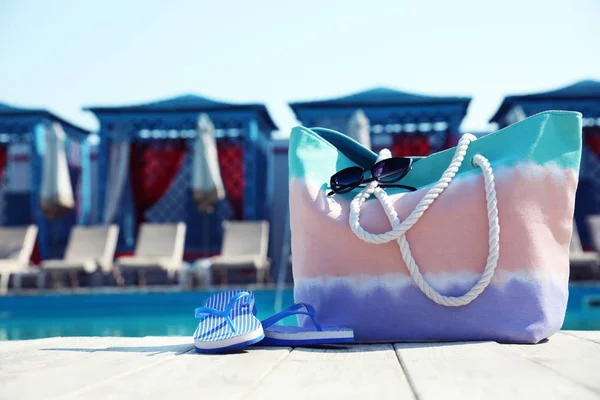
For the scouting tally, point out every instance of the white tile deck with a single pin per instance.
(566, 367)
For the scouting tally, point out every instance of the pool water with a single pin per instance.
(113, 313)
(583, 308)
(171, 313)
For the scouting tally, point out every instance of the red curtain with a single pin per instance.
(591, 137)
(231, 163)
(36, 258)
(410, 145)
(450, 140)
(3, 159)
(153, 166)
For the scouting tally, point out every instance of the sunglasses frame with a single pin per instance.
(362, 180)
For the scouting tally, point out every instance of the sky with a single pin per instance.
(63, 55)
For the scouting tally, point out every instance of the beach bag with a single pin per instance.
(480, 251)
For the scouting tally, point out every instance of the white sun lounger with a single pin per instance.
(245, 245)
(16, 247)
(158, 247)
(583, 263)
(90, 248)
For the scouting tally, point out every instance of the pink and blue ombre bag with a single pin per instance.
(480, 251)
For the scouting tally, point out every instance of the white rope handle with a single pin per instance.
(399, 229)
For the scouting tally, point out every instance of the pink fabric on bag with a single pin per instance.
(533, 231)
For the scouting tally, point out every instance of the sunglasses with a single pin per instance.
(386, 172)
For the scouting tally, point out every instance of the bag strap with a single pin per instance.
(399, 228)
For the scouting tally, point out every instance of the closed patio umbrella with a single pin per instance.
(515, 115)
(56, 194)
(358, 128)
(207, 184)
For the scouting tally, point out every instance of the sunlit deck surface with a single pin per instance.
(566, 366)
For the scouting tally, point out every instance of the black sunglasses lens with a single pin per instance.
(346, 178)
(391, 169)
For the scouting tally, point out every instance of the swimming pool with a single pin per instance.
(583, 308)
(111, 312)
(136, 313)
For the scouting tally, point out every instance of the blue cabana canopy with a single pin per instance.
(20, 121)
(382, 96)
(23, 143)
(243, 133)
(193, 104)
(390, 113)
(582, 96)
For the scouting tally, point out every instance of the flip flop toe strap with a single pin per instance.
(207, 311)
(295, 309)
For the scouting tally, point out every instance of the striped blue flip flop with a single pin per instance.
(227, 322)
(279, 335)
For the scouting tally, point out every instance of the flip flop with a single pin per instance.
(279, 335)
(227, 322)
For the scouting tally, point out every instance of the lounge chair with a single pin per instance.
(245, 245)
(158, 247)
(16, 247)
(584, 264)
(90, 248)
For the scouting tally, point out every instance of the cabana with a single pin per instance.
(406, 123)
(584, 97)
(23, 145)
(145, 167)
